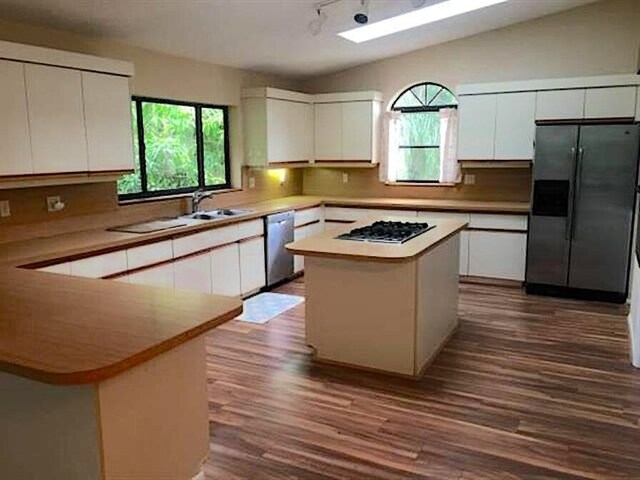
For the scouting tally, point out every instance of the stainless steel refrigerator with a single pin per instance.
(581, 220)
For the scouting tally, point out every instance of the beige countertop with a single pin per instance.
(85, 243)
(67, 330)
(327, 245)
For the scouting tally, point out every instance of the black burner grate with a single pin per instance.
(387, 232)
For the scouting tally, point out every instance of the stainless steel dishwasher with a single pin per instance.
(279, 227)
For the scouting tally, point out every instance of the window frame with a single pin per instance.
(145, 193)
(421, 109)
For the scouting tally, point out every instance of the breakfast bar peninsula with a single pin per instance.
(384, 298)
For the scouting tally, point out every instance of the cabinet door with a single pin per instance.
(434, 217)
(560, 104)
(160, 276)
(225, 270)
(193, 274)
(497, 254)
(289, 131)
(100, 265)
(107, 109)
(56, 118)
(477, 127)
(252, 268)
(298, 260)
(357, 130)
(15, 149)
(328, 131)
(515, 126)
(614, 102)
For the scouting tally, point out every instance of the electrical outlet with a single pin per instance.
(345, 178)
(252, 182)
(469, 179)
(5, 208)
(54, 204)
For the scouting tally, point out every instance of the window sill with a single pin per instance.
(419, 184)
(175, 196)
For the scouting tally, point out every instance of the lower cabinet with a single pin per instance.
(160, 276)
(193, 273)
(497, 254)
(252, 266)
(300, 233)
(225, 270)
(433, 217)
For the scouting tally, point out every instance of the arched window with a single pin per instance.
(419, 131)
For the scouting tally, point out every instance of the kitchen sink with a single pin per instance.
(217, 214)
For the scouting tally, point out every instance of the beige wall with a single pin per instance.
(600, 38)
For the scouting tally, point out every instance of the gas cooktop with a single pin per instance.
(387, 232)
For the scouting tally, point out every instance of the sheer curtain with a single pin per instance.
(391, 153)
(449, 167)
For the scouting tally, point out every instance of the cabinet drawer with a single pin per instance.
(193, 243)
(161, 276)
(354, 214)
(149, 254)
(252, 228)
(435, 216)
(100, 265)
(498, 222)
(308, 215)
(497, 255)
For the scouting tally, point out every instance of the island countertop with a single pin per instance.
(67, 330)
(326, 244)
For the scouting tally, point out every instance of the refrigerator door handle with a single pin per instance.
(569, 220)
(576, 193)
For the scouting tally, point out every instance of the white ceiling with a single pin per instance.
(264, 35)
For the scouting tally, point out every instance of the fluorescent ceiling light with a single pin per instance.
(416, 18)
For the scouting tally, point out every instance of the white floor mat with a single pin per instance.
(265, 306)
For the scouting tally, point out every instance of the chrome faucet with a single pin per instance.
(197, 197)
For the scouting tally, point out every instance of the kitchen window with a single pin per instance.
(179, 147)
(419, 130)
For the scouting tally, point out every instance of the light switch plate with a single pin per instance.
(469, 179)
(55, 204)
(345, 178)
(252, 182)
(5, 208)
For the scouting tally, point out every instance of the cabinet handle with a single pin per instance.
(577, 191)
(569, 220)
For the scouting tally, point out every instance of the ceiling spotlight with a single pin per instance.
(362, 14)
(315, 25)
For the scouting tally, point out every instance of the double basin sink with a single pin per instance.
(217, 214)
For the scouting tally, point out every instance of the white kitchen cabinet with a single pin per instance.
(193, 274)
(252, 265)
(515, 126)
(159, 276)
(300, 233)
(357, 131)
(107, 110)
(477, 127)
(353, 213)
(252, 228)
(138, 257)
(497, 254)
(560, 104)
(56, 119)
(611, 102)
(225, 270)
(60, 268)
(328, 131)
(330, 225)
(307, 215)
(100, 265)
(289, 131)
(498, 221)
(15, 147)
(434, 217)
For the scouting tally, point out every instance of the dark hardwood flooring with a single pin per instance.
(529, 387)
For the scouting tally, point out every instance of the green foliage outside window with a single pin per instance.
(170, 153)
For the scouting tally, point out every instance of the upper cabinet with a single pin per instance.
(15, 147)
(283, 127)
(107, 110)
(56, 119)
(477, 127)
(515, 126)
(278, 126)
(615, 102)
(63, 113)
(560, 104)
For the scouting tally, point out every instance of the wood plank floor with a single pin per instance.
(529, 387)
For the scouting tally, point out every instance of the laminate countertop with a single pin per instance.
(327, 245)
(67, 330)
(42, 251)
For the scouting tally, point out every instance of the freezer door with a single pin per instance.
(550, 220)
(603, 213)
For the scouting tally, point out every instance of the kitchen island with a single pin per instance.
(377, 306)
(102, 380)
